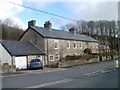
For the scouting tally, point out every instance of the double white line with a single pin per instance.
(97, 72)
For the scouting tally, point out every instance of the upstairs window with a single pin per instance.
(80, 45)
(68, 45)
(56, 44)
(75, 45)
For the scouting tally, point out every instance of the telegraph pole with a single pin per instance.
(118, 30)
(118, 45)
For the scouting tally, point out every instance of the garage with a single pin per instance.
(21, 62)
(19, 53)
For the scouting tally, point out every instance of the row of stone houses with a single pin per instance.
(50, 45)
(57, 44)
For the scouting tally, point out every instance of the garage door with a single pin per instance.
(21, 62)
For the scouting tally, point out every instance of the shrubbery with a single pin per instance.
(106, 53)
(86, 57)
(87, 51)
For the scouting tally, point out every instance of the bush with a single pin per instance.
(87, 51)
(87, 57)
(95, 54)
(74, 57)
(114, 52)
(105, 53)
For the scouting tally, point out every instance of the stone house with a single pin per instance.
(19, 53)
(57, 44)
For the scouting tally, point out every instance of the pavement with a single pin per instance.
(34, 71)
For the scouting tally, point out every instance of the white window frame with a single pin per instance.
(68, 43)
(81, 46)
(97, 47)
(93, 46)
(55, 56)
(56, 41)
(50, 56)
(75, 45)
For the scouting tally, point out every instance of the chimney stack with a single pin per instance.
(48, 25)
(73, 30)
(31, 23)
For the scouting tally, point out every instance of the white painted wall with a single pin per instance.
(5, 57)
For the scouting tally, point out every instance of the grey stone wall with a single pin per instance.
(70, 63)
(8, 68)
(63, 51)
(47, 45)
(35, 38)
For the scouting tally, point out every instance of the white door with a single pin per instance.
(21, 62)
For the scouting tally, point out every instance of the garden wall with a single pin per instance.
(69, 63)
(8, 68)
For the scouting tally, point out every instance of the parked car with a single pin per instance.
(35, 64)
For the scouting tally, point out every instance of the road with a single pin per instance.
(96, 75)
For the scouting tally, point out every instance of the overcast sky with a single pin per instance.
(74, 9)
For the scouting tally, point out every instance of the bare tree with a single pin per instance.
(9, 30)
(90, 26)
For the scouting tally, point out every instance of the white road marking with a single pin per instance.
(97, 72)
(50, 83)
(107, 71)
(87, 74)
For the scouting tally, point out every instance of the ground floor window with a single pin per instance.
(56, 56)
(51, 58)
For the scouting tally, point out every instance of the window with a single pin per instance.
(68, 45)
(56, 44)
(93, 46)
(56, 56)
(80, 45)
(75, 45)
(97, 47)
(51, 58)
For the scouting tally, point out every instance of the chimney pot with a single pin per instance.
(48, 25)
(73, 30)
(31, 23)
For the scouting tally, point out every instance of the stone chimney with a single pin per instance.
(31, 23)
(73, 30)
(48, 25)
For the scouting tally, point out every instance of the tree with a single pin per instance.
(90, 25)
(87, 51)
(9, 30)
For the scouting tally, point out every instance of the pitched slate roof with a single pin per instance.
(59, 34)
(21, 48)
